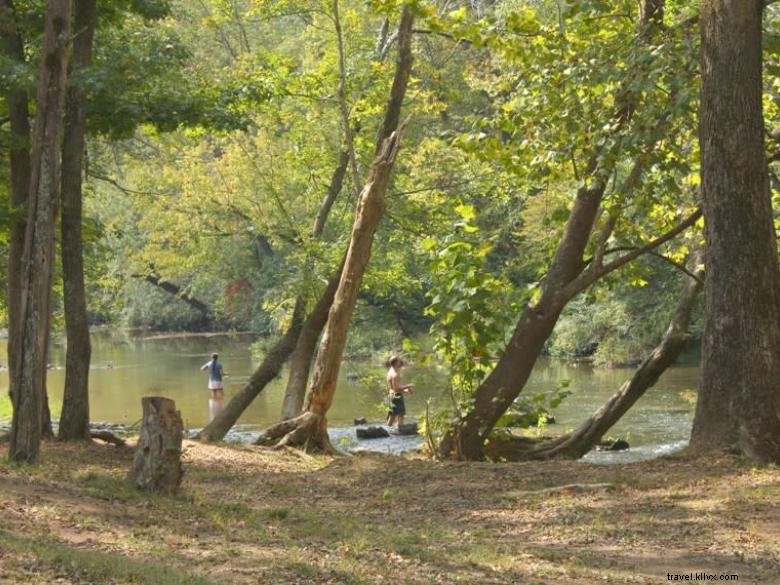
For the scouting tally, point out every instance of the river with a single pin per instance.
(129, 365)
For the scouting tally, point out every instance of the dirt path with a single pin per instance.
(248, 515)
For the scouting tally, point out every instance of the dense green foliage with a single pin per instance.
(216, 128)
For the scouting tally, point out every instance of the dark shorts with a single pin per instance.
(396, 405)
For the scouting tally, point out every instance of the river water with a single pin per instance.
(127, 366)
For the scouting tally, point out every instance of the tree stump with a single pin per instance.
(157, 464)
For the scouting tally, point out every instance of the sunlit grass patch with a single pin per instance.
(6, 411)
(90, 566)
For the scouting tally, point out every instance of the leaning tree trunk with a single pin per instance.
(568, 275)
(157, 463)
(310, 428)
(74, 420)
(590, 433)
(29, 369)
(739, 392)
(268, 370)
(303, 356)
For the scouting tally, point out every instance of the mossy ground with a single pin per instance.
(250, 515)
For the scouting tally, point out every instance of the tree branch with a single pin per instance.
(357, 182)
(589, 277)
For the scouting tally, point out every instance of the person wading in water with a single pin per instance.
(396, 390)
(216, 376)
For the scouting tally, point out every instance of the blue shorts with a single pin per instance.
(397, 406)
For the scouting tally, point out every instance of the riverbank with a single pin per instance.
(251, 515)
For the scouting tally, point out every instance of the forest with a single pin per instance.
(545, 231)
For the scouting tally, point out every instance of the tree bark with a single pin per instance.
(301, 359)
(74, 420)
(336, 183)
(310, 428)
(568, 275)
(739, 392)
(19, 118)
(590, 433)
(268, 370)
(29, 368)
(157, 464)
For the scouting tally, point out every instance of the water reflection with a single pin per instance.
(215, 407)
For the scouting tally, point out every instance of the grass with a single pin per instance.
(6, 411)
(250, 515)
(89, 566)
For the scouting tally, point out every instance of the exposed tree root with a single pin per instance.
(568, 488)
(306, 432)
(108, 438)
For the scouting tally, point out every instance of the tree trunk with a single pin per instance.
(74, 420)
(29, 369)
(301, 359)
(566, 277)
(336, 183)
(590, 433)
(157, 464)
(310, 428)
(19, 118)
(268, 370)
(739, 393)
(303, 356)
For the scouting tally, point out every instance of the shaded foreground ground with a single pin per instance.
(248, 515)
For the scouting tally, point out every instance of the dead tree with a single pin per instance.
(303, 356)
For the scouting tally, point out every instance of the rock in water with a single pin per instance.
(360, 421)
(407, 429)
(619, 445)
(372, 433)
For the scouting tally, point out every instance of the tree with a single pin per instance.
(19, 158)
(570, 272)
(739, 392)
(576, 444)
(74, 420)
(302, 358)
(28, 372)
(310, 428)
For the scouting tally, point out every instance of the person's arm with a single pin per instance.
(205, 366)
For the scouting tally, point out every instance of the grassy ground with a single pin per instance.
(248, 515)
